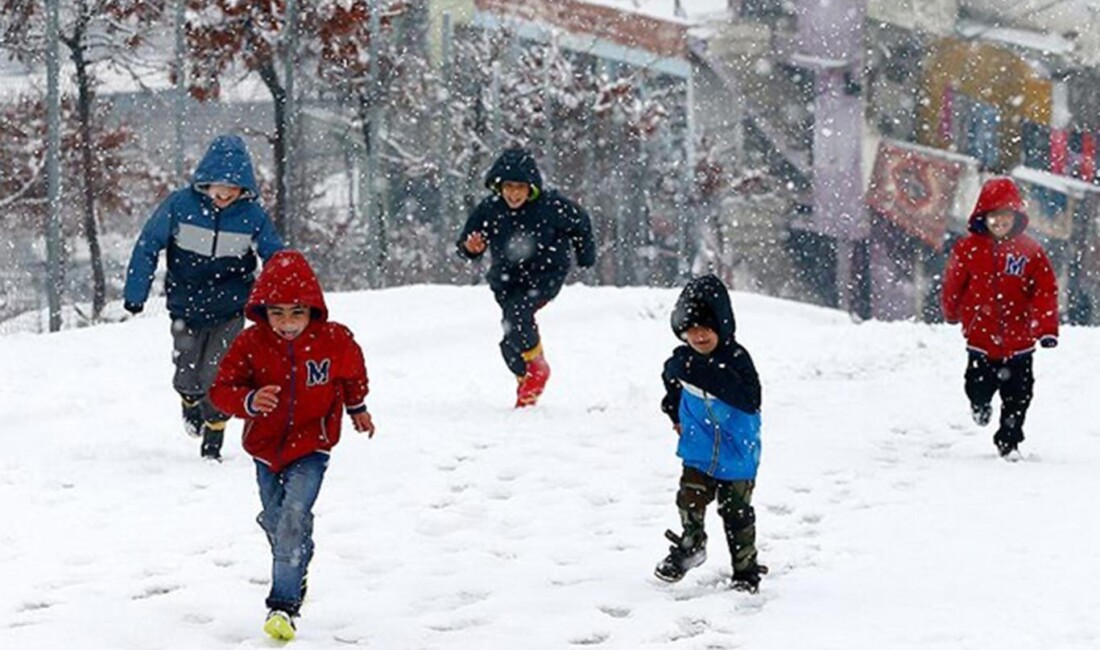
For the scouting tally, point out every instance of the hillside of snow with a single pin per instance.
(884, 513)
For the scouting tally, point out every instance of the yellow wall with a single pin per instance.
(990, 74)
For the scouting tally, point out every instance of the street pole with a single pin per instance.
(684, 214)
(446, 69)
(180, 96)
(53, 167)
(291, 108)
(373, 209)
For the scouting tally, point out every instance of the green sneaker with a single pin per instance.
(279, 625)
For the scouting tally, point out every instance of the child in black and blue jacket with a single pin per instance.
(713, 398)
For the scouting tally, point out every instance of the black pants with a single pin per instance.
(696, 492)
(1015, 381)
(521, 333)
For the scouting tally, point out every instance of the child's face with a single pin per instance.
(701, 339)
(1000, 223)
(515, 194)
(223, 195)
(288, 321)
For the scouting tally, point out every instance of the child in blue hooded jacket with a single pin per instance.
(212, 230)
(713, 398)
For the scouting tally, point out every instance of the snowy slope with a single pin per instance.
(883, 511)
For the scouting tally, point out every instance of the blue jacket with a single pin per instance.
(529, 246)
(211, 252)
(714, 398)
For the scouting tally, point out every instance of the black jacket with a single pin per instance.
(529, 246)
(727, 373)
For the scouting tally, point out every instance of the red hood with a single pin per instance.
(286, 279)
(998, 194)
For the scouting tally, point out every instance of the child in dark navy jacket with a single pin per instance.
(713, 398)
(212, 230)
(529, 231)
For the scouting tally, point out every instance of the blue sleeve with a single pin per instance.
(143, 261)
(268, 241)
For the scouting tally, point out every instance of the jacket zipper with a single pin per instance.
(997, 298)
(717, 435)
(290, 406)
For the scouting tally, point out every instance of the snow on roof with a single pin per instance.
(692, 11)
(1063, 184)
(1047, 43)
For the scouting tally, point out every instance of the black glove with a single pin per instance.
(133, 307)
(1049, 341)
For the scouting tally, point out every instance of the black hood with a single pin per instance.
(705, 301)
(515, 164)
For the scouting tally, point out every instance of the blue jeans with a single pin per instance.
(287, 519)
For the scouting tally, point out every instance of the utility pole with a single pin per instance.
(685, 211)
(180, 97)
(53, 167)
(446, 71)
(373, 210)
(830, 37)
(291, 134)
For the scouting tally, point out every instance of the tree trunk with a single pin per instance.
(87, 163)
(278, 95)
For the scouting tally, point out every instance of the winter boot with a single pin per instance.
(981, 413)
(534, 381)
(748, 579)
(279, 625)
(686, 553)
(192, 415)
(213, 434)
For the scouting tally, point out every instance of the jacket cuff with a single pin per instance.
(357, 409)
(252, 412)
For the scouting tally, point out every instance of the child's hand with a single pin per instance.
(266, 399)
(678, 428)
(363, 423)
(475, 243)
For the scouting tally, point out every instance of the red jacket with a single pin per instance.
(321, 372)
(1003, 292)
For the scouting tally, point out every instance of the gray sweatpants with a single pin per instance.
(197, 351)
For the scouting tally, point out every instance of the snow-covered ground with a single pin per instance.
(884, 513)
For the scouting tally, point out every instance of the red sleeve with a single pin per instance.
(955, 278)
(353, 373)
(1044, 298)
(234, 381)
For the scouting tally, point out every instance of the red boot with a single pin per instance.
(534, 381)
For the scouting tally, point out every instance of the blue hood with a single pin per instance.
(226, 162)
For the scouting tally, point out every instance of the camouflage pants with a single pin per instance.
(696, 492)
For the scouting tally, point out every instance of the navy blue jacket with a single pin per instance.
(211, 252)
(714, 398)
(529, 246)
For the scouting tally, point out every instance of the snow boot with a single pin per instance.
(213, 434)
(982, 413)
(534, 381)
(279, 625)
(686, 553)
(192, 415)
(748, 579)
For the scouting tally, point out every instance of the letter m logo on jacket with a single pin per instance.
(1015, 265)
(317, 372)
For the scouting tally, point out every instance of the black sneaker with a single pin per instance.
(192, 416)
(213, 434)
(682, 556)
(1004, 447)
(981, 413)
(748, 579)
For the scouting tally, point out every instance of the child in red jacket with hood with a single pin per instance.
(1000, 285)
(289, 376)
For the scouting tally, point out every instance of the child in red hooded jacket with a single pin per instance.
(1000, 285)
(289, 376)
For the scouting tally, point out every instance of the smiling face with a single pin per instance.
(701, 339)
(1000, 223)
(223, 195)
(515, 193)
(288, 321)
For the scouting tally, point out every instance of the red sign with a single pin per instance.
(914, 188)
